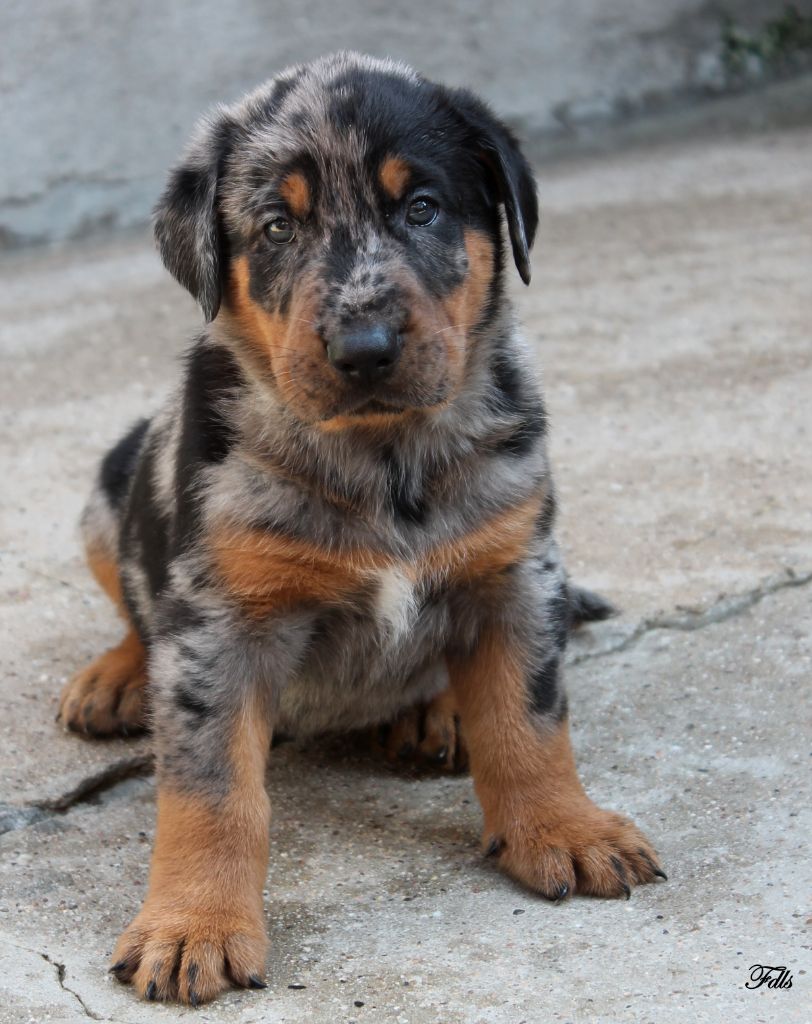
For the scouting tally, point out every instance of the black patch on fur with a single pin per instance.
(507, 384)
(187, 225)
(434, 597)
(175, 616)
(212, 375)
(119, 463)
(509, 175)
(510, 397)
(207, 436)
(542, 687)
(377, 99)
(190, 702)
(523, 440)
(145, 527)
(341, 255)
(546, 515)
(586, 606)
(278, 95)
(495, 299)
(559, 614)
(407, 503)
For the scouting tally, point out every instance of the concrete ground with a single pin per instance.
(672, 312)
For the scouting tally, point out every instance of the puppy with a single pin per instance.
(346, 509)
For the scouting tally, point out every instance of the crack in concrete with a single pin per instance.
(724, 608)
(91, 786)
(61, 974)
(14, 818)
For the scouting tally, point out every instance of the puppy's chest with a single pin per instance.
(267, 573)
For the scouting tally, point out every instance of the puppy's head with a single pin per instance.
(344, 221)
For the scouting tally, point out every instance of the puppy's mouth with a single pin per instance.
(388, 399)
(376, 407)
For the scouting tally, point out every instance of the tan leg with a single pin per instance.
(539, 823)
(201, 927)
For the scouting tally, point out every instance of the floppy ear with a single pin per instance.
(499, 150)
(186, 218)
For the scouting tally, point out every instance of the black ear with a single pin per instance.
(186, 221)
(499, 150)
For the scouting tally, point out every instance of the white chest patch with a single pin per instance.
(395, 603)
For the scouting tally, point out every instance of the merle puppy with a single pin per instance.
(345, 511)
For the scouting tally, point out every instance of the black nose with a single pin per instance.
(365, 352)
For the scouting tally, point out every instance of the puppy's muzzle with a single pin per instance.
(365, 352)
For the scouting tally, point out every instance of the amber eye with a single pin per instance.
(422, 211)
(280, 230)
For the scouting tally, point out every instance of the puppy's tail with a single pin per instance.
(587, 606)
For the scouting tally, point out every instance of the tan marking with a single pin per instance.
(394, 176)
(288, 350)
(265, 572)
(426, 734)
(296, 193)
(486, 551)
(285, 349)
(105, 571)
(373, 422)
(466, 303)
(108, 696)
(490, 687)
(262, 330)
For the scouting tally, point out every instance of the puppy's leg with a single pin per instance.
(201, 927)
(108, 696)
(429, 733)
(539, 823)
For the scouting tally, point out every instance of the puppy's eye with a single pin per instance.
(422, 211)
(280, 230)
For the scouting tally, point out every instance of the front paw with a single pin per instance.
(190, 953)
(580, 848)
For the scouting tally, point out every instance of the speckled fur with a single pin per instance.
(366, 658)
(396, 535)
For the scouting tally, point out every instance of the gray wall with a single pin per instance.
(99, 95)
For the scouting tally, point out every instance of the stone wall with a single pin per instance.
(99, 96)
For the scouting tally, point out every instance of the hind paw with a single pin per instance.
(427, 735)
(108, 697)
